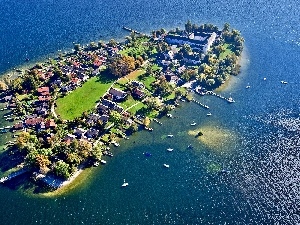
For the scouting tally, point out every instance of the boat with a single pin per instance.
(124, 184)
(265, 78)
(103, 161)
(208, 114)
(170, 135)
(169, 115)
(248, 86)
(230, 100)
(193, 124)
(147, 154)
(116, 144)
(166, 165)
(183, 100)
(284, 82)
(190, 146)
(96, 164)
(169, 149)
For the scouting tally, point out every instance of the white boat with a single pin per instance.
(124, 184)
(103, 161)
(169, 115)
(169, 149)
(170, 135)
(284, 82)
(208, 114)
(248, 86)
(116, 144)
(96, 164)
(193, 124)
(265, 78)
(230, 100)
(166, 165)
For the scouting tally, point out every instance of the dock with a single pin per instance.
(199, 103)
(155, 120)
(134, 31)
(13, 175)
(230, 100)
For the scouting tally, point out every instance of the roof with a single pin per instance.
(43, 89)
(117, 93)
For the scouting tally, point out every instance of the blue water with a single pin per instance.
(263, 186)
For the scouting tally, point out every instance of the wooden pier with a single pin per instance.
(199, 103)
(134, 31)
(13, 175)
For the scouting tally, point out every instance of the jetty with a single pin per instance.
(134, 31)
(199, 103)
(230, 100)
(155, 120)
(13, 175)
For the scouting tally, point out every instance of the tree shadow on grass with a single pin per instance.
(106, 77)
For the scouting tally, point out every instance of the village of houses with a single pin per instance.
(86, 63)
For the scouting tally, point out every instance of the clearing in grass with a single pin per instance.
(83, 98)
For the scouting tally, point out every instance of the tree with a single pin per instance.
(112, 43)
(226, 27)
(115, 117)
(146, 121)
(62, 169)
(3, 86)
(188, 26)
(121, 66)
(77, 47)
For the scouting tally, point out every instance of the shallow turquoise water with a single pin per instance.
(262, 187)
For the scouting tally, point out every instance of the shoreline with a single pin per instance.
(112, 102)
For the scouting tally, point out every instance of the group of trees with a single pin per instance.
(207, 27)
(60, 158)
(121, 65)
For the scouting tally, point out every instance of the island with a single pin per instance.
(67, 111)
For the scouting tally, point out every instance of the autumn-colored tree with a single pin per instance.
(121, 66)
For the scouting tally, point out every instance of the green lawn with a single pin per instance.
(83, 98)
(227, 51)
(147, 81)
(137, 48)
(129, 102)
(137, 107)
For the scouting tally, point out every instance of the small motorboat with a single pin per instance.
(170, 135)
(103, 161)
(265, 78)
(169, 149)
(190, 146)
(284, 82)
(230, 100)
(193, 124)
(208, 114)
(248, 86)
(125, 184)
(96, 164)
(166, 165)
(147, 154)
(169, 115)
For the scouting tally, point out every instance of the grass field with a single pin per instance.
(83, 98)
(227, 51)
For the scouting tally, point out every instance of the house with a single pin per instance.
(172, 78)
(192, 59)
(137, 93)
(104, 118)
(43, 90)
(69, 138)
(19, 126)
(117, 94)
(181, 69)
(79, 132)
(33, 121)
(137, 84)
(7, 98)
(50, 123)
(92, 133)
(112, 105)
(102, 108)
(44, 98)
(92, 118)
(41, 111)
